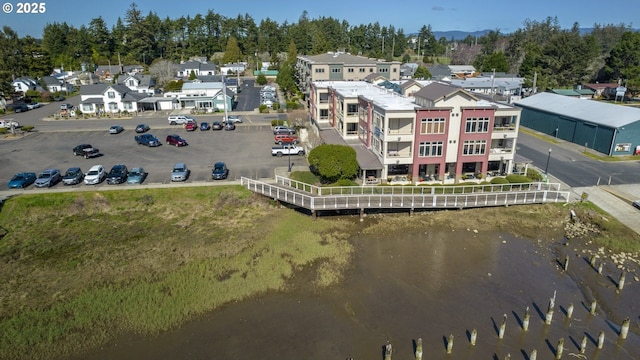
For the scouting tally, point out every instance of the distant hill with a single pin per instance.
(461, 35)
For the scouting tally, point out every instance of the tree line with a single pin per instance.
(558, 57)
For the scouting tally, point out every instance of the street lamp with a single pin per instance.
(546, 168)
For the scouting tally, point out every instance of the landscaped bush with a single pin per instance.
(534, 174)
(277, 122)
(499, 180)
(517, 179)
(263, 109)
(28, 128)
(3, 131)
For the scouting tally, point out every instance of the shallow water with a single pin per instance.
(428, 284)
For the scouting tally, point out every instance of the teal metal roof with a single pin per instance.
(592, 111)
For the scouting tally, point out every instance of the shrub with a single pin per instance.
(27, 128)
(3, 131)
(517, 179)
(263, 109)
(499, 180)
(534, 174)
(277, 122)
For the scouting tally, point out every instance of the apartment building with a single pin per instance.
(442, 134)
(340, 66)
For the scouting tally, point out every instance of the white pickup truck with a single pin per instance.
(287, 149)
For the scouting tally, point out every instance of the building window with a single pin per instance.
(319, 70)
(324, 113)
(352, 109)
(132, 83)
(361, 70)
(432, 126)
(477, 125)
(474, 147)
(113, 106)
(350, 70)
(336, 70)
(111, 94)
(370, 70)
(430, 149)
(395, 70)
(127, 105)
(383, 70)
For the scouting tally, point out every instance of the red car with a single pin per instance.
(191, 126)
(176, 140)
(285, 139)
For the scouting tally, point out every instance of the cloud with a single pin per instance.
(437, 8)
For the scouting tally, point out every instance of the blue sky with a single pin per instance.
(410, 15)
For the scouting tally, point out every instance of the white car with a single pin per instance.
(232, 119)
(33, 106)
(180, 172)
(95, 175)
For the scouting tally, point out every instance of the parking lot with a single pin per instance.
(246, 150)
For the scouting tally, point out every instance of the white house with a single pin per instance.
(233, 68)
(55, 84)
(197, 67)
(23, 84)
(99, 98)
(139, 83)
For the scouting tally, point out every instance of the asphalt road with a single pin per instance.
(569, 165)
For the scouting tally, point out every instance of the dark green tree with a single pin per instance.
(261, 79)
(232, 52)
(422, 73)
(192, 75)
(334, 162)
(624, 62)
(495, 61)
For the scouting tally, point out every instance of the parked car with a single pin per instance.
(179, 119)
(285, 139)
(217, 125)
(59, 98)
(22, 180)
(95, 175)
(191, 126)
(9, 123)
(283, 130)
(79, 150)
(636, 204)
(116, 129)
(232, 118)
(136, 176)
(73, 176)
(147, 139)
(204, 126)
(33, 106)
(180, 172)
(230, 126)
(17, 108)
(118, 174)
(220, 171)
(48, 178)
(142, 128)
(176, 140)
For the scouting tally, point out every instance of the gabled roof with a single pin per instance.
(600, 86)
(51, 80)
(565, 92)
(409, 83)
(438, 91)
(144, 80)
(26, 80)
(584, 109)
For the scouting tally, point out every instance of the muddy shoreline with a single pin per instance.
(419, 282)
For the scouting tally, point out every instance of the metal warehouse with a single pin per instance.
(607, 128)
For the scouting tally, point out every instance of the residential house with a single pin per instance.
(139, 83)
(132, 69)
(576, 93)
(503, 86)
(407, 70)
(55, 84)
(599, 88)
(197, 67)
(100, 98)
(208, 96)
(24, 84)
(233, 68)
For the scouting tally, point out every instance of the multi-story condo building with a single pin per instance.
(340, 66)
(443, 133)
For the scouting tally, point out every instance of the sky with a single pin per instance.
(409, 15)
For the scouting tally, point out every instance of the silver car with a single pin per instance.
(48, 178)
(180, 172)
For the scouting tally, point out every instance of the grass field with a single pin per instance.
(79, 269)
(82, 268)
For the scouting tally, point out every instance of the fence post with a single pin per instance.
(624, 330)
(450, 344)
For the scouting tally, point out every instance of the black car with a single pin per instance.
(118, 174)
(220, 171)
(79, 150)
(217, 125)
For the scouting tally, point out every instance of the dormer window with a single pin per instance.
(111, 94)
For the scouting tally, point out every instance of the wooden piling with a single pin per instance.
(525, 320)
(592, 261)
(624, 330)
(533, 355)
(474, 337)
(508, 357)
(583, 345)
(502, 327)
(549, 315)
(601, 340)
(570, 311)
(560, 349)
(419, 349)
(600, 268)
(566, 263)
(450, 344)
(623, 274)
(388, 350)
(592, 308)
(361, 214)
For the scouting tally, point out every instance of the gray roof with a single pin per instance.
(342, 58)
(437, 91)
(51, 80)
(145, 80)
(584, 109)
(93, 89)
(367, 160)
